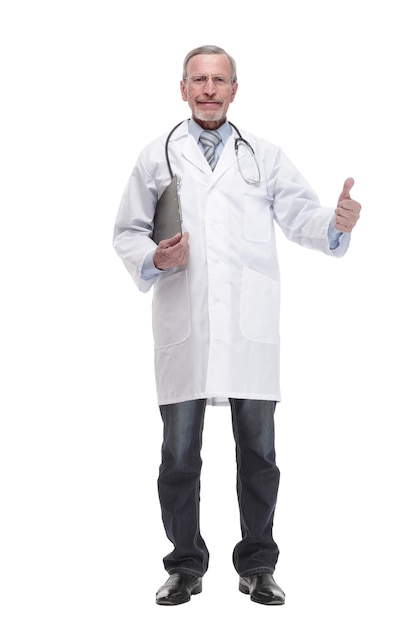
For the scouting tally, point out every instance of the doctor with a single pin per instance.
(216, 303)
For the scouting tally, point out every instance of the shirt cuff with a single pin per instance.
(334, 236)
(149, 270)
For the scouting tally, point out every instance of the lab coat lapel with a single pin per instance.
(192, 153)
(227, 159)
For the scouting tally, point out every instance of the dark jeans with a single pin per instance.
(257, 485)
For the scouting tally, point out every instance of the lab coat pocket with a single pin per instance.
(171, 310)
(259, 307)
(257, 223)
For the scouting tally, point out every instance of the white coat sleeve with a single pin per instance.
(298, 212)
(134, 225)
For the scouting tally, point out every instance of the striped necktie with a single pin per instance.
(209, 140)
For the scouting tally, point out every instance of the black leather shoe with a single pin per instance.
(178, 589)
(262, 588)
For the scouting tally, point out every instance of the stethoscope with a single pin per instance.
(252, 177)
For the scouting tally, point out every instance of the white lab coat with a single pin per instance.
(216, 321)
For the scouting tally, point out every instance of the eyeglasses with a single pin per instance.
(201, 81)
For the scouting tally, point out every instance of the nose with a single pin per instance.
(209, 87)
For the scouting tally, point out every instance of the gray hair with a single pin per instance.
(209, 50)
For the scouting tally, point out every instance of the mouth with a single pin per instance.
(209, 103)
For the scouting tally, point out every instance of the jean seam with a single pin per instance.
(196, 496)
(238, 461)
(256, 570)
(184, 570)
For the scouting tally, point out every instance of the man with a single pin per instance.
(216, 311)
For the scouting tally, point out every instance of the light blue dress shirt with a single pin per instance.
(225, 131)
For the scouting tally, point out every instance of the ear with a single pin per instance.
(183, 91)
(234, 90)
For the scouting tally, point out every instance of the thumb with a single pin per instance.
(345, 195)
(168, 243)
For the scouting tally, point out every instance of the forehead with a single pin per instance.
(209, 64)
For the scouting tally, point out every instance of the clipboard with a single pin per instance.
(168, 218)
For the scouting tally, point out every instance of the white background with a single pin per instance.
(85, 85)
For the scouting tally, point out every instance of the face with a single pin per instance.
(209, 102)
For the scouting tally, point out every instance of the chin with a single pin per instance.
(208, 117)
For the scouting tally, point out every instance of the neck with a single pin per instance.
(209, 124)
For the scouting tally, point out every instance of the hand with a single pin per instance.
(347, 211)
(172, 252)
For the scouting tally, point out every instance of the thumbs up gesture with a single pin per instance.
(348, 210)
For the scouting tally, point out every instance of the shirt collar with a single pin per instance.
(195, 130)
